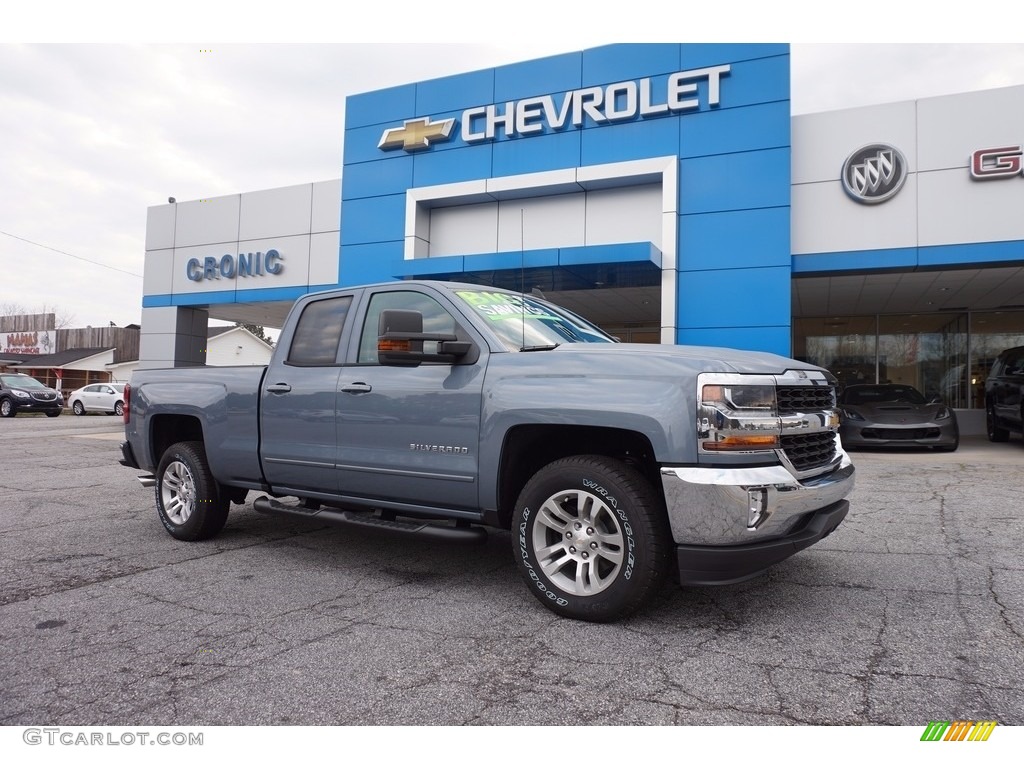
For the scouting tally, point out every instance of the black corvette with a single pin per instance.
(893, 415)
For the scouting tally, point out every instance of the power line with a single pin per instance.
(73, 256)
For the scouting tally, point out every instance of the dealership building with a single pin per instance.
(663, 191)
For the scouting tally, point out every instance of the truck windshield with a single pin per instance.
(526, 323)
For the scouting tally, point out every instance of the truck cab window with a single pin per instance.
(318, 332)
(436, 319)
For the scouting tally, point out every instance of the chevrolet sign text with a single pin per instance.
(601, 104)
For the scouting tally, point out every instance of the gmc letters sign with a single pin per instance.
(997, 163)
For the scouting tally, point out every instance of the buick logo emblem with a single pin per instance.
(874, 173)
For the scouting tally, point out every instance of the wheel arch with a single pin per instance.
(167, 429)
(527, 448)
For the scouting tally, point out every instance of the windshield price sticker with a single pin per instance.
(502, 306)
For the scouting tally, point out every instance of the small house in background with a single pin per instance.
(70, 358)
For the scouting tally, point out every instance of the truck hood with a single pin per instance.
(691, 358)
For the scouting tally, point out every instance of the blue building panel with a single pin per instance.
(854, 261)
(381, 106)
(629, 61)
(361, 144)
(373, 263)
(427, 268)
(391, 176)
(756, 82)
(619, 253)
(733, 237)
(971, 253)
(728, 298)
(288, 293)
(635, 140)
(697, 55)
(737, 181)
(455, 93)
(762, 338)
(538, 77)
(466, 163)
(742, 129)
(537, 153)
(495, 262)
(758, 237)
(373, 220)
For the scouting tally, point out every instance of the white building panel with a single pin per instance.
(323, 258)
(179, 277)
(202, 222)
(160, 227)
(545, 222)
(326, 209)
(822, 142)
(293, 262)
(464, 229)
(957, 209)
(158, 272)
(275, 212)
(626, 215)
(952, 127)
(825, 219)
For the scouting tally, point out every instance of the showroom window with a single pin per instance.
(945, 355)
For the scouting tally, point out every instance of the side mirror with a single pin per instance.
(400, 340)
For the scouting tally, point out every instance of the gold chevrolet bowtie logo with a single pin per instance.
(417, 134)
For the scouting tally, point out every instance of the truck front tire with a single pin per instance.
(591, 538)
(187, 498)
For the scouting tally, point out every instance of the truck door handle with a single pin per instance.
(356, 387)
(279, 388)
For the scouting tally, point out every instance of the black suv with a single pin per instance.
(1004, 395)
(19, 392)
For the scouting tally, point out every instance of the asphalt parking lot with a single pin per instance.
(912, 611)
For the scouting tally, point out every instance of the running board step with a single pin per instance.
(428, 531)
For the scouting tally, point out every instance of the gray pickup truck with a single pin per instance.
(439, 409)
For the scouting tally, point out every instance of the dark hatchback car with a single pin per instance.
(895, 415)
(1004, 395)
(19, 392)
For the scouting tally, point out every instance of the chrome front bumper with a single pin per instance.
(738, 506)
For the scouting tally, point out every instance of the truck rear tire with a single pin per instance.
(187, 498)
(591, 538)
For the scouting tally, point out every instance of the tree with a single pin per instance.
(255, 330)
(61, 319)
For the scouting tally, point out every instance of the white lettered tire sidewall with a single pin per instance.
(633, 520)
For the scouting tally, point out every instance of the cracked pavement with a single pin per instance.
(913, 610)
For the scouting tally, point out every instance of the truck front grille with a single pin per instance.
(811, 450)
(805, 399)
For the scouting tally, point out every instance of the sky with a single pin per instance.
(100, 120)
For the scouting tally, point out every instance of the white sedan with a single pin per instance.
(108, 398)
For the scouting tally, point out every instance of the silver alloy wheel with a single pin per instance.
(178, 492)
(578, 542)
(5, 407)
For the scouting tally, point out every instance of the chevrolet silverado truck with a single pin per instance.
(440, 410)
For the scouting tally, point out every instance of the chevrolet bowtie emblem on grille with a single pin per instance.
(417, 134)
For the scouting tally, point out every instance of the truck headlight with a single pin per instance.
(738, 417)
(20, 393)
